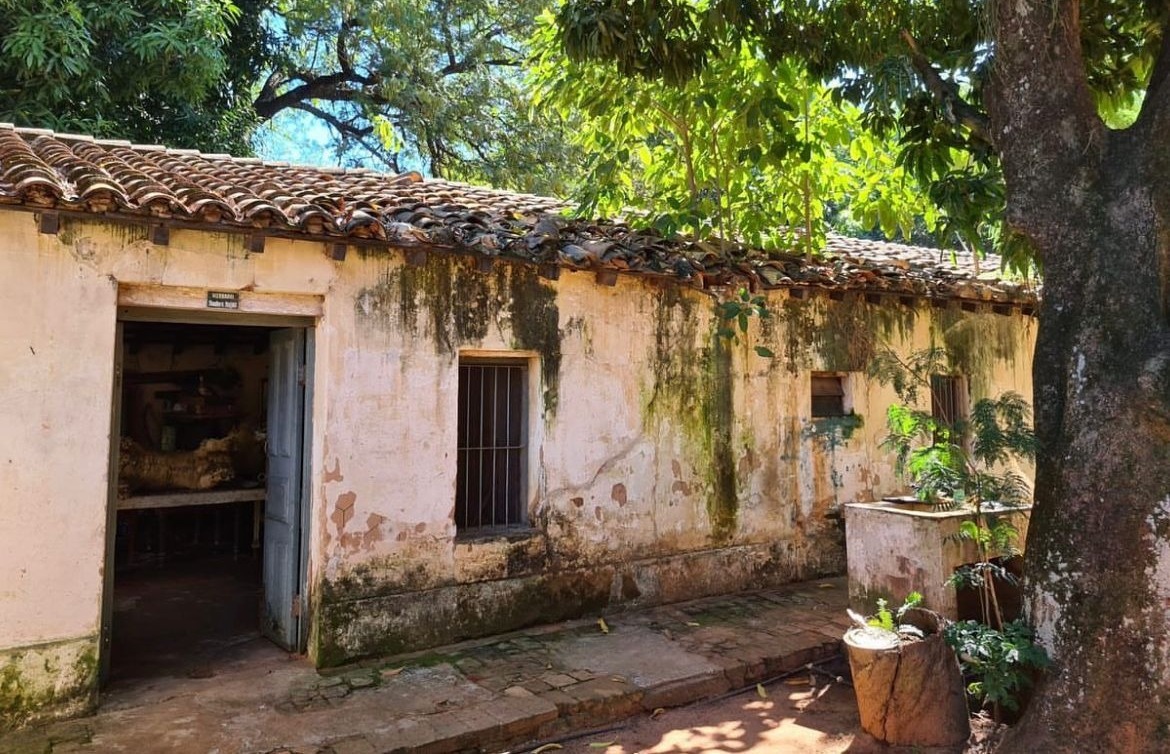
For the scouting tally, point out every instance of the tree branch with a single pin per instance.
(462, 66)
(348, 131)
(343, 57)
(956, 109)
(342, 127)
(330, 86)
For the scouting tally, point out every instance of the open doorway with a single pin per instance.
(207, 515)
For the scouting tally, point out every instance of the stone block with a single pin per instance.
(409, 734)
(558, 680)
(688, 690)
(353, 745)
(519, 717)
(732, 669)
(564, 703)
(467, 728)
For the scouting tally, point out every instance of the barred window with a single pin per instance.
(492, 440)
(946, 399)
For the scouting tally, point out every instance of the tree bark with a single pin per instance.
(911, 694)
(1097, 581)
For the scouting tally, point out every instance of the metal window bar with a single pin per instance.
(491, 443)
(945, 391)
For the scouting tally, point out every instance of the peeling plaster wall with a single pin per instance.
(664, 463)
(55, 415)
(60, 296)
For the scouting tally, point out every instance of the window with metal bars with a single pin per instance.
(946, 399)
(492, 444)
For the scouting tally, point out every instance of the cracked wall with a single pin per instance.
(663, 461)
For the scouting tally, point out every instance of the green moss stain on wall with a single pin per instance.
(677, 358)
(535, 327)
(844, 334)
(448, 299)
(831, 433)
(691, 390)
(47, 680)
(718, 415)
(975, 341)
(392, 624)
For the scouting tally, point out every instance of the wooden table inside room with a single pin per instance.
(165, 501)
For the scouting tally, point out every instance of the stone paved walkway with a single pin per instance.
(485, 695)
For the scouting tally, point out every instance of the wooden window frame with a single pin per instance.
(829, 395)
(948, 399)
(492, 499)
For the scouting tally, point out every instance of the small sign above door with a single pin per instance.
(223, 300)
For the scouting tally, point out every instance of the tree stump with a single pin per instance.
(909, 693)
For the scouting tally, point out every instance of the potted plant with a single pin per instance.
(906, 678)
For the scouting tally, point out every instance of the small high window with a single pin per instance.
(828, 394)
(492, 442)
(947, 405)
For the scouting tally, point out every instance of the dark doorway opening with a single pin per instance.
(191, 575)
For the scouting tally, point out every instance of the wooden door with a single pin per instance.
(280, 620)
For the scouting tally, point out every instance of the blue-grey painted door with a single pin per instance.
(286, 411)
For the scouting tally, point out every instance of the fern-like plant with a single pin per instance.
(968, 464)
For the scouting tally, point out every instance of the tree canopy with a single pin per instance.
(151, 70)
(915, 72)
(745, 150)
(432, 81)
(402, 84)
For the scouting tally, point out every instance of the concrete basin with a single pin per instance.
(894, 548)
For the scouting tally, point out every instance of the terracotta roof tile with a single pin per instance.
(40, 169)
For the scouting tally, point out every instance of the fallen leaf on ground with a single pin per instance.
(391, 672)
(763, 692)
(657, 711)
(693, 624)
(603, 625)
(547, 747)
(826, 586)
(797, 682)
(601, 744)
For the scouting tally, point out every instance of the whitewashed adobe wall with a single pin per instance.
(664, 463)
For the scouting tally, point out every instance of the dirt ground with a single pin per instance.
(804, 715)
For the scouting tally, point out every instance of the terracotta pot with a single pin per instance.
(909, 693)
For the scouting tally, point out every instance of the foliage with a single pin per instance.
(888, 619)
(961, 464)
(172, 71)
(915, 71)
(965, 463)
(746, 150)
(1001, 662)
(430, 83)
(738, 312)
(937, 457)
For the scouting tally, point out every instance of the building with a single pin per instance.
(476, 414)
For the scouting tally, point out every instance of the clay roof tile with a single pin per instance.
(39, 168)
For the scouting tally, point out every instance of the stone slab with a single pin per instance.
(470, 702)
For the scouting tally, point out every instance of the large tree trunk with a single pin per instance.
(1098, 565)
